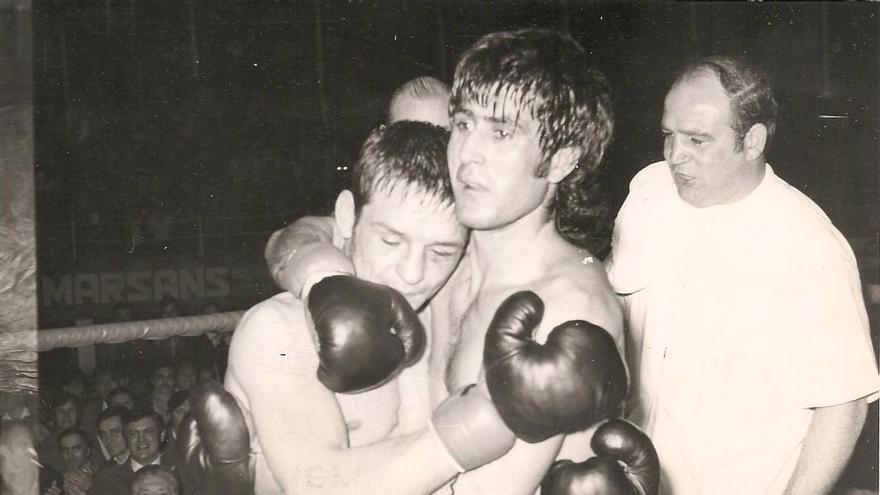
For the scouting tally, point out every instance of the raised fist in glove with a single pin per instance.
(572, 381)
(626, 463)
(367, 333)
(214, 444)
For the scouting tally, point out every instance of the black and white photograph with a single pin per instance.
(400, 247)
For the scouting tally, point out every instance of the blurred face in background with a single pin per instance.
(65, 415)
(187, 376)
(122, 398)
(110, 431)
(163, 381)
(74, 449)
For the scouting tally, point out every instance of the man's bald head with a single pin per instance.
(423, 99)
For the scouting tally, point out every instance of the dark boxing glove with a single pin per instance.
(574, 380)
(214, 444)
(367, 333)
(626, 463)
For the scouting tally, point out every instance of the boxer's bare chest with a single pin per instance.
(469, 318)
(370, 416)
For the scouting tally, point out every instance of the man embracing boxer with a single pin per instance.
(531, 119)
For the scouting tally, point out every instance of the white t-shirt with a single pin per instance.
(740, 318)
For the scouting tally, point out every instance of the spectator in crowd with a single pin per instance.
(74, 384)
(110, 435)
(155, 480)
(122, 397)
(20, 470)
(64, 414)
(107, 379)
(178, 406)
(163, 382)
(77, 468)
(187, 375)
(144, 430)
(207, 372)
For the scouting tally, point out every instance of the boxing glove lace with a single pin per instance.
(569, 383)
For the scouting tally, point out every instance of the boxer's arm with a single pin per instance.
(827, 448)
(301, 430)
(521, 470)
(303, 250)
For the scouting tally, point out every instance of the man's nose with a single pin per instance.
(675, 150)
(411, 268)
(470, 149)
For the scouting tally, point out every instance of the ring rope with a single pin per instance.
(119, 332)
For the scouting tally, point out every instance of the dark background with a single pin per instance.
(170, 140)
(183, 133)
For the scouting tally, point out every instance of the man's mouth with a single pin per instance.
(684, 179)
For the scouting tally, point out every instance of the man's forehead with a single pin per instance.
(142, 424)
(110, 423)
(72, 440)
(499, 103)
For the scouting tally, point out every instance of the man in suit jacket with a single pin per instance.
(144, 431)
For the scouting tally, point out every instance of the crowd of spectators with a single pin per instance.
(112, 433)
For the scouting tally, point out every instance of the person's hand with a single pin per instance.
(54, 489)
(78, 481)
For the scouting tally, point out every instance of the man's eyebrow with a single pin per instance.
(452, 244)
(462, 110)
(384, 226)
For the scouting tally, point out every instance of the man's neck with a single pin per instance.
(505, 254)
(136, 465)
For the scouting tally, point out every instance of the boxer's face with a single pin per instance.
(407, 240)
(110, 431)
(74, 451)
(143, 438)
(701, 146)
(434, 110)
(493, 155)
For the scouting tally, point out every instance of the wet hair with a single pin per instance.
(550, 76)
(75, 431)
(157, 471)
(138, 414)
(404, 154)
(751, 95)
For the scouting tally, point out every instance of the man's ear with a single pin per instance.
(754, 141)
(344, 213)
(562, 163)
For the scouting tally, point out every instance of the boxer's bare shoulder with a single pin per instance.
(578, 285)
